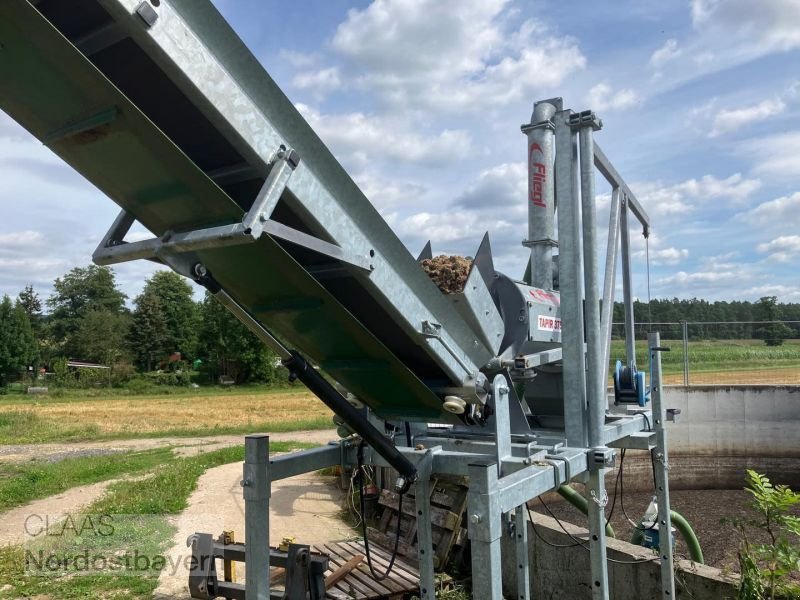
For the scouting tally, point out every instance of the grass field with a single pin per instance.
(34, 419)
(140, 512)
(723, 361)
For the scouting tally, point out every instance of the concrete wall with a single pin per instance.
(723, 430)
(564, 573)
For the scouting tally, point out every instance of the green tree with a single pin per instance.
(78, 293)
(148, 332)
(18, 348)
(773, 333)
(30, 302)
(179, 311)
(229, 348)
(101, 337)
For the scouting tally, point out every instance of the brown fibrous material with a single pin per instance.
(449, 273)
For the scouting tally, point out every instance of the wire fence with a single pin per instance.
(719, 352)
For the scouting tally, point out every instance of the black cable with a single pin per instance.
(408, 434)
(360, 457)
(622, 495)
(578, 541)
(536, 531)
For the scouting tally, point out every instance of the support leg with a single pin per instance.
(523, 561)
(427, 589)
(662, 472)
(256, 485)
(597, 498)
(485, 529)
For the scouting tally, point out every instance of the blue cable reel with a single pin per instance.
(629, 385)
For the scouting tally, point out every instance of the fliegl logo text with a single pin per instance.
(39, 526)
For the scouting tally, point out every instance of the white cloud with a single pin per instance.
(667, 200)
(503, 186)
(726, 34)
(360, 137)
(782, 249)
(781, 211)
(603, 98)
(682, 278)
(385, 193)
(765, 27)
(777, 154)
(298, 60)
(668, 256)
(429, 54)
(668, 52)
(727, 120)
(320, 82)
(785, 293)
(17, 239)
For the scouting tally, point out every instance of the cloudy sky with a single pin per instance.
(422, 100)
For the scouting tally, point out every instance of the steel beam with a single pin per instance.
(256, 490)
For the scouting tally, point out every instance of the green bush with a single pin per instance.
(767, 569)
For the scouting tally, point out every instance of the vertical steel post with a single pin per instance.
(485, 530)
(610, 279)
(685, 352)
(427, 582)
(596, 499)
(523, 560)
(595, 386)
(256, 490)
(541, 192)
(662, 470)
(627, 285)
(502, 421)
(571, 282)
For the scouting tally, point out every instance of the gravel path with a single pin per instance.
(184, 446)
(307, 507)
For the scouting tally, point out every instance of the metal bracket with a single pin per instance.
(256, 222)
(432, 330)
(600, 458)
(583, 119)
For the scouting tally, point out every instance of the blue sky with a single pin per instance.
(422, 100)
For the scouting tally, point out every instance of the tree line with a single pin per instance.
(86, 319)
(722, 320)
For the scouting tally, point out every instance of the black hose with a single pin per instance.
(300, 368)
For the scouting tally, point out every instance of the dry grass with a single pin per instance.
(760, 376)
(143, 416)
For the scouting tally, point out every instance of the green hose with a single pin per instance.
(579, 502)
(686, 531)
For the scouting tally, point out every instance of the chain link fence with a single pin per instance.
(718, 352)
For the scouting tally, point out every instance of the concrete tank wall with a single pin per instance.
(723, 430)
(564, 573)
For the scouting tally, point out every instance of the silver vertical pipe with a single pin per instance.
(595, 387)
(256, 490)
(571, 283)
(685, 352)
(610, 281)
(627, 285)
(541, 193)
(662, 471)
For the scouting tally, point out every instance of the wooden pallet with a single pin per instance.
(448, 501)
(359, 583)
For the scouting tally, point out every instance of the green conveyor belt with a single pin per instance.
(50, 88)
